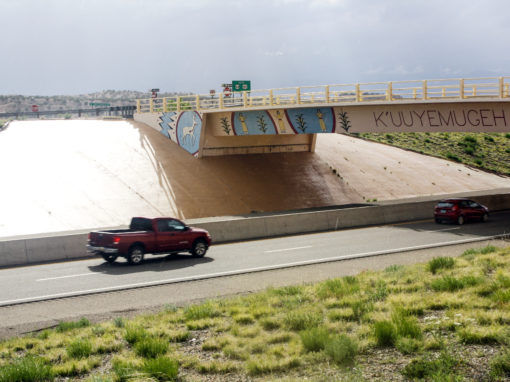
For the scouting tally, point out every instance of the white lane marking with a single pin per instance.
(243, 271)
(65, 277)
(441, 230)
(287, 249)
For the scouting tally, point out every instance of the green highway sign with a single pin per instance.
(99, 104)
(241, 86)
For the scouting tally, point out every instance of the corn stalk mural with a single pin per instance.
(273, 122)
(344, 121)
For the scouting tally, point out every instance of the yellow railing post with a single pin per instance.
(298, 96)
(443, 92)
(389, 92)
(507, 87)
(271, 97)
(151, 105)
(501, 87)
(197, 102)
(327, 93)
(138, 106)
(178, 103)
(358, 93)
(461, 89)
(245, 99)
(425, 92)
(414, 93)
(165, 105)
(221, 100)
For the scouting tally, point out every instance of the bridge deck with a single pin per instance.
(410, 91)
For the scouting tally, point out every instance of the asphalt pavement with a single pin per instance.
(99, 290)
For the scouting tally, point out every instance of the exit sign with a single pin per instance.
(241, 86)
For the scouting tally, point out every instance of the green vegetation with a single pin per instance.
(487, 151)
(440, 263)
(444, 320)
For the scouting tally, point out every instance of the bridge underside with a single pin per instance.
(294, 129)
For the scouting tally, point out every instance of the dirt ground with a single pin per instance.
(70, 175)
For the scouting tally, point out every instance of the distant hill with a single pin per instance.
(20, 103)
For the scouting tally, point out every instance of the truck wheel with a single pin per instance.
(199, 248)
(135, 255)
(109, 257)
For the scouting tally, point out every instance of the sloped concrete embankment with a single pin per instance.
(30, 250)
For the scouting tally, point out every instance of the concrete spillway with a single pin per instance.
(67, 175)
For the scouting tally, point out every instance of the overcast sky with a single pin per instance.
(53, 47)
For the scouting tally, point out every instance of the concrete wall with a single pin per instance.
(30, 250)
(259, 144)
(42, 249)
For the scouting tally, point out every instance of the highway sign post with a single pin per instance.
(241, 86)
(227, 89)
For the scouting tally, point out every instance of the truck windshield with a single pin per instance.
(141, 224)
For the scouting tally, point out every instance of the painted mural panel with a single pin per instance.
(253, 123)
(184, 128)
(311, 120)
(439, 117)
(276, 121)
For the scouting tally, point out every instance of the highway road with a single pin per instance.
(228, 270)
(91, 276)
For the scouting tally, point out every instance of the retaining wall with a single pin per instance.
(69, 246)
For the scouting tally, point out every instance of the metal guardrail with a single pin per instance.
(419, 90)
(125, 111)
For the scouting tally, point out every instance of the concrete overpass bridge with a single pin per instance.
(288, 119)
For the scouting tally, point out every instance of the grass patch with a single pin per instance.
(309, 331)
(299, 320)
(262, 366)
(385, 333)
(342, 349)
(66, 326)
(452, 284)
(315, 339)
(151, 347)
(440, 263)
(441, 369)
(26, 369)
(162, 368)
(487, 151)
(80, 348)
(199, 312)
(500, 366)
(135, 334)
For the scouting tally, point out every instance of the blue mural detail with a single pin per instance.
(312, 120)
(189, 128)
(253, 123)
(166, 120)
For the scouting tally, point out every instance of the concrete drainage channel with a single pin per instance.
(71, 245)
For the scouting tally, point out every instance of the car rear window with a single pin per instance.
(141, 224)
(444, 205)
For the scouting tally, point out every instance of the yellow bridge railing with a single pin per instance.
(443, 89)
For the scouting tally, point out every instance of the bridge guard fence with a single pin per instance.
(413, 90)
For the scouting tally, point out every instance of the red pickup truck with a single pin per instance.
(154, 236)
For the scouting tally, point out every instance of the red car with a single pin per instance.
(154, 236)
(460, 210)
